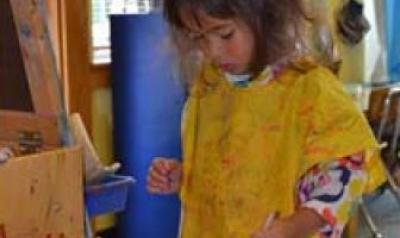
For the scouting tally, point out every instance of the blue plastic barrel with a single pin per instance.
(147, 104)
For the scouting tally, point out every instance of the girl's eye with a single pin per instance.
(228, 35)
(197, 38)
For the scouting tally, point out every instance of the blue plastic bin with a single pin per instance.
(109, 196)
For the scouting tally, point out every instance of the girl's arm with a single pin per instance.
(326, 195)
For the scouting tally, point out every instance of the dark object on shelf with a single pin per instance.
(351, 24)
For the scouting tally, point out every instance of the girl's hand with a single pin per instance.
(301, 224)
(164, 176)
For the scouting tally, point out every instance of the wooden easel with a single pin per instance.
(31, 101)
(41, 189)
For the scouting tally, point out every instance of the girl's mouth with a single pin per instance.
(228, 67)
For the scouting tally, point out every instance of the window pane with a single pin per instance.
(101, 9)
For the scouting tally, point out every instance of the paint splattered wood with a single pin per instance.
(41, 195)
(28, 122)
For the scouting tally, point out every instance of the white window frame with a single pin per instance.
(100, 45)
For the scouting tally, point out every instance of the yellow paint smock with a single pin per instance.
(246, 148)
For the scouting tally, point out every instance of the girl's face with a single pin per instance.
(228, 43)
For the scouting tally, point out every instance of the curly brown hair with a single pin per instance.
(278, 26)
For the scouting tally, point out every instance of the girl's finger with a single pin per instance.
(171, 165)
(157, 176)
(154, 183)
(161, 166)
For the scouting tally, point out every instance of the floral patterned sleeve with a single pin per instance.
(331, 190)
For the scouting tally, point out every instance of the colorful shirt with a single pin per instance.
(332, 191)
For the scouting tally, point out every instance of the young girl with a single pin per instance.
(273, 147)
